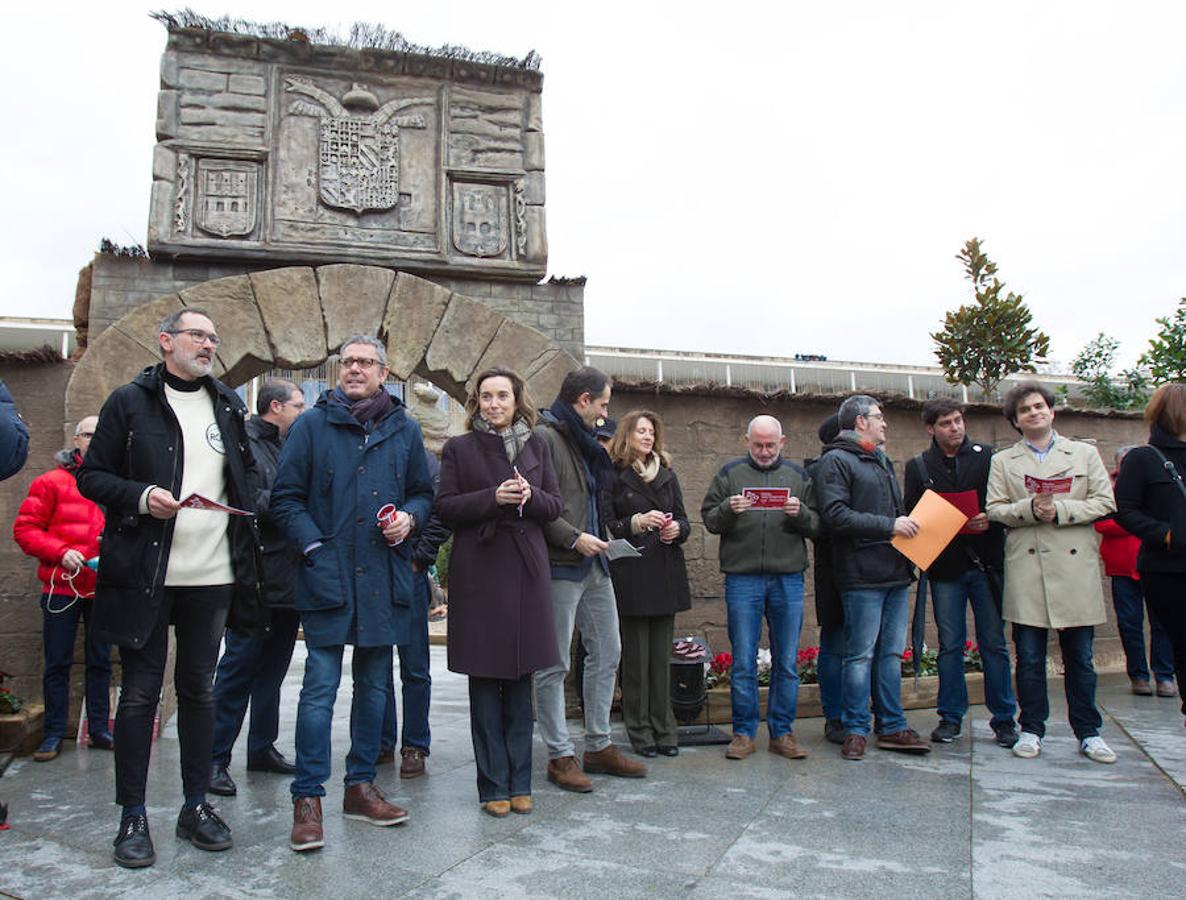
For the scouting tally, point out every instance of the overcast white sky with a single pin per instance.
(731, 177)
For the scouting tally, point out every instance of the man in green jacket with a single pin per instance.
(763, 507)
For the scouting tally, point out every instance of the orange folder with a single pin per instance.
(938, 522)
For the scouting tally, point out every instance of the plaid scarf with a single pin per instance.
(513, 438)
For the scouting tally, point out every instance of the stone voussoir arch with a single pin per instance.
(296, 317)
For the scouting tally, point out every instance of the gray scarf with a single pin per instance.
(513, 438)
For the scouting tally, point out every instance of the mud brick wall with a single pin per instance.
(705, 429)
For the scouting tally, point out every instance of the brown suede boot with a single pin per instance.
(567, 775)
(610, 761)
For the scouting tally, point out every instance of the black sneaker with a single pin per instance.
(201, 826)
(834, 731)
(133, 844)
(1006, 733)
(946, 732)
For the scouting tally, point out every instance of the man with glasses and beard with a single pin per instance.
(173, 432)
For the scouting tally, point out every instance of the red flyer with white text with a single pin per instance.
(767, 498)
(197, 501)
(1036, 485)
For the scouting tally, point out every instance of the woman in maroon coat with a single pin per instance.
(497, 489)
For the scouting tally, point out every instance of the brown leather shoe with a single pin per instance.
(521, 804)
(411, 764)
(907, 741)
(1140, 687)
(610, 761)
(740, 747)
(366, 803)
(854, 747)
(787, 746)
(385, 757)
(306, 825)
(567, 775)
(1167, 689)
(500, 809)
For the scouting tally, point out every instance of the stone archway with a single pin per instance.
(298, 316)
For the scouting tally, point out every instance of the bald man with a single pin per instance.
(763, 507)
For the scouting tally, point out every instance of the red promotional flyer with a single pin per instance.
(767, 498)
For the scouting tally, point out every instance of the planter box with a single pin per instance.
(719, 711)
(20, 733)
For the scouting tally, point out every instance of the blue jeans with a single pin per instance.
(415, 682)
(779, 598)
(1129, 601)
(829, 665)
(1079, 681)
(874, 637)
(60, 617)
(501, 727)
(252, 669)
(371, 667)
(951, 618)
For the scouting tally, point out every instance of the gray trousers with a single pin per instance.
(589, 605)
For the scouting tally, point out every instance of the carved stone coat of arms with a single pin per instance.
(358, 156)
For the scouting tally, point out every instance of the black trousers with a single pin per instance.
(1165, 592)
(501, 724)
(198, 616)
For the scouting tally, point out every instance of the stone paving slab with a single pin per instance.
(969, 819)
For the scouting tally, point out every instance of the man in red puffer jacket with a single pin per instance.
(61, 528)
(1119, 549)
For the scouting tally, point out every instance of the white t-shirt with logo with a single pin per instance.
(200, 554)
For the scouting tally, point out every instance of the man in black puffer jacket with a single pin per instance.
(861, 506)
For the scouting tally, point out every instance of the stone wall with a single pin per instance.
(119, 285)
(705, 429)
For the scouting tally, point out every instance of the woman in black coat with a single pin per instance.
(648, 510)
(497, 489)
(1151, 503)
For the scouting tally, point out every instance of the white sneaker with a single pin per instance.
(1095, 749)
(1028, 746)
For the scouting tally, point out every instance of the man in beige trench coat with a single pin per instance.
(1048, 490)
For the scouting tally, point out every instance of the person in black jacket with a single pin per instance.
(415, 680)
(969, 570)
(1151, 503)
(173, 434)
(647, 508)
(253, 666)
(862, 508)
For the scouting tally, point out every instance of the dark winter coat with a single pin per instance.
(969, 473)
(137, 443)
(500, 587)
(55, 518)
(656, 583)
(14, 436)
(859, 500)
(332, 480)
(279, 557)
(829, 608)
(1150, 505)
(765, 541)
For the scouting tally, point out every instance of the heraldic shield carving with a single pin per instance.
(480, 219)
(227, 192)
(358, 158)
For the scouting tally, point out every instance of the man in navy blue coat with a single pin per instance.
(346, 459)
